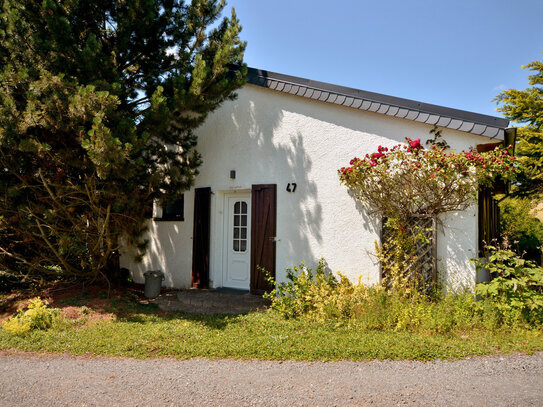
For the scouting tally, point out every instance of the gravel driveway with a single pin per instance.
(30, 380)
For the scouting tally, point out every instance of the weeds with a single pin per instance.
(37, 316)
(513, 299)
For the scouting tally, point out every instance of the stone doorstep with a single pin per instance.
(209, 302)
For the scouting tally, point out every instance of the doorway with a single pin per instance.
(237, 242)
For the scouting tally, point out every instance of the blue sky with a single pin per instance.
(455, 53)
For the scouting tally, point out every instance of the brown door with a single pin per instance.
(200, 238)
(263, 227)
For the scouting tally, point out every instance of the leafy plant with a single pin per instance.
(300, 293)
(37, 316)
(514, 300)
(516, 287)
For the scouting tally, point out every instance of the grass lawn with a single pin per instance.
(124, 327)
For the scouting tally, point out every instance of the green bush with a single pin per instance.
(301, 293)
(516, 287)
(319, 296)
(37, 316)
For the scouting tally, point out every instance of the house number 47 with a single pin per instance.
(291, 187)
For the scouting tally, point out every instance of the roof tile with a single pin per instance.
(432, 119)
(412, 115)
(348, 102)
(393, 111)
(356, 104)
(443, 121)
(366, 104)
(422, 117)
(466, 126)
(402, 113)
(491, 132)
(383, 109)
(340, 100)
(478, 129)
(455, 124)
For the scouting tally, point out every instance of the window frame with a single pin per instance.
(173, 210)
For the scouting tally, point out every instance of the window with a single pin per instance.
(173, 210)
(240, 227)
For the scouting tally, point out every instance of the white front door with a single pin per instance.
(237, 266)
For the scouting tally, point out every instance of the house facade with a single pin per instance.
(268, 193)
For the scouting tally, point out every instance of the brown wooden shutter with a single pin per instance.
(489, 220)
(263, 229)
(201, 238)
(489, 210)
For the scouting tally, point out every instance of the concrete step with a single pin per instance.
(211, 301)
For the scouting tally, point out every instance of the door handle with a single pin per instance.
(274, 239)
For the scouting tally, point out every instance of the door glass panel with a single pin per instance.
(240, 227)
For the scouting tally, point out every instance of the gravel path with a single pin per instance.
(30, 380)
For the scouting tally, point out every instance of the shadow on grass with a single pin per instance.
(126, 304)
(146, 314)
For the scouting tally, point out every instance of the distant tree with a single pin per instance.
(523, 231)
(98, 105)
(526, 107)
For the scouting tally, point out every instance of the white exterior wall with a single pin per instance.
(269, 137)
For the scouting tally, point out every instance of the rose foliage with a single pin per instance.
(408, 180)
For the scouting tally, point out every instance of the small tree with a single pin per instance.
(98, 105)
(408, 180)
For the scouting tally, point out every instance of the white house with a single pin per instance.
(268, 192)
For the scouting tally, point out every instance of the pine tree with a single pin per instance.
(526, 107)
(99, 101)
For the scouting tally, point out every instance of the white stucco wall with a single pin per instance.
(269, 137)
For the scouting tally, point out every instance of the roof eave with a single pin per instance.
(441, 116)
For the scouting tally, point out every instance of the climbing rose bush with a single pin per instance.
(408, 179)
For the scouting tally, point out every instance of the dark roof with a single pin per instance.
(441, 116)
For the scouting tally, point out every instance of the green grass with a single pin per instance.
(145, 334)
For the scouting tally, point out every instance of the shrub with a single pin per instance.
(303, 290)
(516, 288)
(37, 316)
(320, 296)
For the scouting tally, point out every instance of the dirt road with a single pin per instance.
(34, 380)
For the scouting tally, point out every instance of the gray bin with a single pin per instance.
(153, 282)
